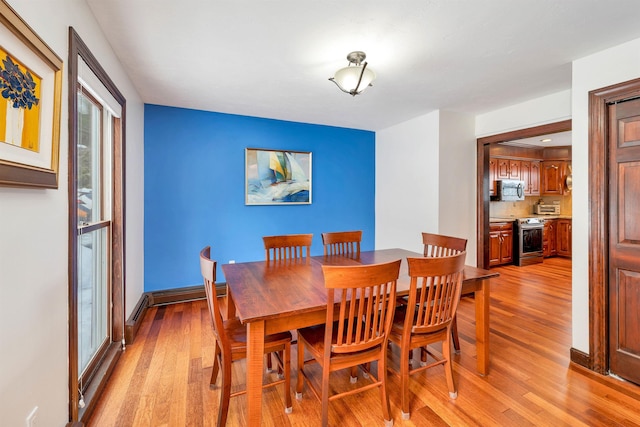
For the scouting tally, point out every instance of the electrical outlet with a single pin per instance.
(31, 418)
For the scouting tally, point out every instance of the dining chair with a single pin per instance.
(426, 319)
(231, 344)
(364, 297)
(287, 247)
(436, 245)
(342, 243)
(296, 247)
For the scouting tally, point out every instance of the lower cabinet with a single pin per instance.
(500, 243)
(556, 238)
(549, 238)
(564, 237)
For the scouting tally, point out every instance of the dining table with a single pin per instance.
(277, 296)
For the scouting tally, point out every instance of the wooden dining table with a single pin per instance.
(271, 297)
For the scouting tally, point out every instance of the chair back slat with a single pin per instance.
(364, 297)
(342, 243)
(438, 245)
(434, 292)
(294, 247)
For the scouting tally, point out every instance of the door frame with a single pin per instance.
(482, 206)
(598, 357)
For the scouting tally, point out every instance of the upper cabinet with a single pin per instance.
(544, 171)
(530, 174)
(553, 176)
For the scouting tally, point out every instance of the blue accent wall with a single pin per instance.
(194, 196)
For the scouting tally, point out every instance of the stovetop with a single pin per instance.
(531, 220)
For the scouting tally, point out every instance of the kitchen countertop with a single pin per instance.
(511, 219)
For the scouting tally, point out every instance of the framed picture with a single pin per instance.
(30, 96)
(277, 177)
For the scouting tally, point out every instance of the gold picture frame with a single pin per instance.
(31, 94)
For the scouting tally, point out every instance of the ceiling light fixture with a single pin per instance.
(354, 79)
(546, 140)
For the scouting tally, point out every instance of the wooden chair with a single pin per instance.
(342, 243)
(231, 344)
(434, 294)
(287, 247)
(437, 245)
(295, 247)
(365, 296)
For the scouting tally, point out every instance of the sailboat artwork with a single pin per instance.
(277, 177)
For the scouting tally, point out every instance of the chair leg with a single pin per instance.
(269, 363)
(225, 392)
(216, 368)
(325, 396)
(286, 362)
(382, 377)
(300, 381)
(404, 382)
(448, 367)
(454, 334)
(353, 376)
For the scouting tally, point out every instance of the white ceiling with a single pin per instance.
(272, 58)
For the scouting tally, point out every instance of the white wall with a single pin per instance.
(407, 170)
(426, 181)
(458, 180)
(608, 67)
(33, 241)
(535, 112)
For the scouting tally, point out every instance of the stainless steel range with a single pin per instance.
(528, 241)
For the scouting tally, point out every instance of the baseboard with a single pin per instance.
(580, 358)
(172, 296)
(168, 296)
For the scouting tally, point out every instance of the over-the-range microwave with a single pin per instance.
(509, 190)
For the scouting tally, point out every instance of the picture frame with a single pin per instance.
(277, 177)
(30, 98)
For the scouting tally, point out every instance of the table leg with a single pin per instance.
(255, 359)
(482, 327)
(231, 306)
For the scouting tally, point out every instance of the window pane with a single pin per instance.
(89, 157)
(92, 294)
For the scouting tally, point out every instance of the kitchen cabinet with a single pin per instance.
(553, 175)
(500, 243)
(564, 237)
(507, 168)
(493, 175)
(523, 170)
(550, 238)
(530, 174)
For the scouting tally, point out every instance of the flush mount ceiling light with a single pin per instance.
(356, 77)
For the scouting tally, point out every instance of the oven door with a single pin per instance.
(531, 240)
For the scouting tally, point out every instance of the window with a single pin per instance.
(96, 223)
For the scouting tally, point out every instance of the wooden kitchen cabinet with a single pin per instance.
(564, 237)
(530, 174)
(507, 168)
(493, 175)
(500, 243)
(549, 238)
(553, 175)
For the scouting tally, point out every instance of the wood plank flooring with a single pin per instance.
(163, 378)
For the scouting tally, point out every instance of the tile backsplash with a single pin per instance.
(526, 207)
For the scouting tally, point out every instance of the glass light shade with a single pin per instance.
(347, 79)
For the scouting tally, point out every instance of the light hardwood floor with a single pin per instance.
(163, 377)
